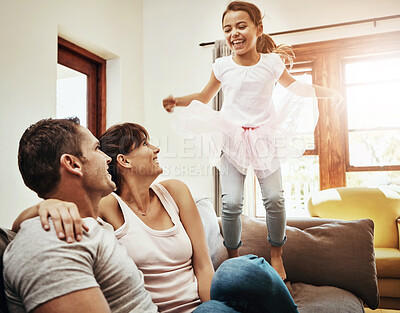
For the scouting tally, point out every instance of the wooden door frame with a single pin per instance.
(86, 62)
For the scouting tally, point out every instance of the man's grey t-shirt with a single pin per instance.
(39, 267)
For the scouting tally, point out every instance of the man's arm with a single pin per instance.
(87, 300)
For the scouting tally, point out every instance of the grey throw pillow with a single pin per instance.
(214, 238)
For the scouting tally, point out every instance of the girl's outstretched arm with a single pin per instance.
(335, 98)
(193, 225)
(204, 96)
(286, 79)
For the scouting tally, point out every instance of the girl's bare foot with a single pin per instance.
(277, 262)
(233, 253)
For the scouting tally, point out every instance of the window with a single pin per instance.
(372, 92)
(71, 94)
(81, 86)
(372, 87)
(358, 148)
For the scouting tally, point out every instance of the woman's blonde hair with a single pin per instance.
(265, 44)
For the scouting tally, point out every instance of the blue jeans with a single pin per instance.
(232, 185)
(248, 284)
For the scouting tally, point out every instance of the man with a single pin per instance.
(61, 159)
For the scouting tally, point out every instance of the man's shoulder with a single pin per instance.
(29, 243)
(38, 266)
(33, 240)
(35, 250)
(30, 232)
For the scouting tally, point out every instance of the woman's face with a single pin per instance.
(143, 159)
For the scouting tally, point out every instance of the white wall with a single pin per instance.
(175, 64)
(28, 58)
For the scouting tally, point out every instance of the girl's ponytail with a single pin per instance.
(265, 44)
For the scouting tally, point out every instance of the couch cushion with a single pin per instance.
(388, 262)
(327, 299)
(389, 288)
(338, 253)
(5, 237)
(215, 240)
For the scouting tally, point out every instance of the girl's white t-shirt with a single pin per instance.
(248, 90)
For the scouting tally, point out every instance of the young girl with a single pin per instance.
(249, 130)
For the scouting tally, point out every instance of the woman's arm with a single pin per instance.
(204, 96)
(65, 215)
(25, 215)
(66, 218)
(191, 220)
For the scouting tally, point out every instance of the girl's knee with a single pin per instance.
(274, 200)
(232, 205)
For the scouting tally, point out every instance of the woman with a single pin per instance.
(162, 231)
(153, 220)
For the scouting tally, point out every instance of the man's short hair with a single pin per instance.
(40, 149)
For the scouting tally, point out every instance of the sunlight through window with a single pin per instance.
(373, 109)
(71, 94)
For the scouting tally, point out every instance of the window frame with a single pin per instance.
(94, 67)
(300, 65)
(328, 59)
(349, 167)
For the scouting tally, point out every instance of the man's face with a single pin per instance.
(96, 178)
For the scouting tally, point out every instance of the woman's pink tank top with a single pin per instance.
(164, 257)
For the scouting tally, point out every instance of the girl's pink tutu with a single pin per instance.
(281, 136)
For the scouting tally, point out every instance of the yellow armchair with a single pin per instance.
(382, 205)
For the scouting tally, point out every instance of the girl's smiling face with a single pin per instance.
(240, 32)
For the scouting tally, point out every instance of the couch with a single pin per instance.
(5, 237)
(382, 205)
(326, 274)
(330, 264)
